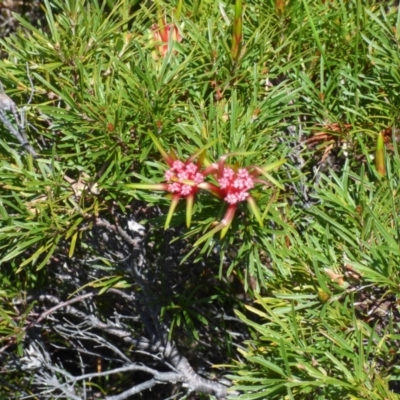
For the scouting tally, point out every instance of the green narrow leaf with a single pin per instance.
(73, 244)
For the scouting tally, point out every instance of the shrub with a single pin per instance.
(290, 288)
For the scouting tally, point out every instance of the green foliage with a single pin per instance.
(331, 332)
(313, 82)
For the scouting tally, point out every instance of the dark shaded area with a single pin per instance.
(29, 9)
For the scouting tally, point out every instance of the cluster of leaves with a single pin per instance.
(313, 82)
(333, 328)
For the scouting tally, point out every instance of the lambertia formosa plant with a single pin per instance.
(300, 298)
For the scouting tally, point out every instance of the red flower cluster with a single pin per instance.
(180, 173)
(235, 185)
(184, 179)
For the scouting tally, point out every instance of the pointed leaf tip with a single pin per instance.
(169, 159)
(255, 210)
(189, 209)
(172, 207)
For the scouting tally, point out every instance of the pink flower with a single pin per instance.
(234, 186)
(179, 175)
(183, 179)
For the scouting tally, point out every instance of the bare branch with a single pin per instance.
(94, 322)
(134, 390)
(7, 104)
(183, 372)
(31, 83)
(171, 377)
(60, 305)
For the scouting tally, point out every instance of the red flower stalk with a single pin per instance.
(234, 186)
(183, 179)
(237, 30)
(280, 7)
(162, 32)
